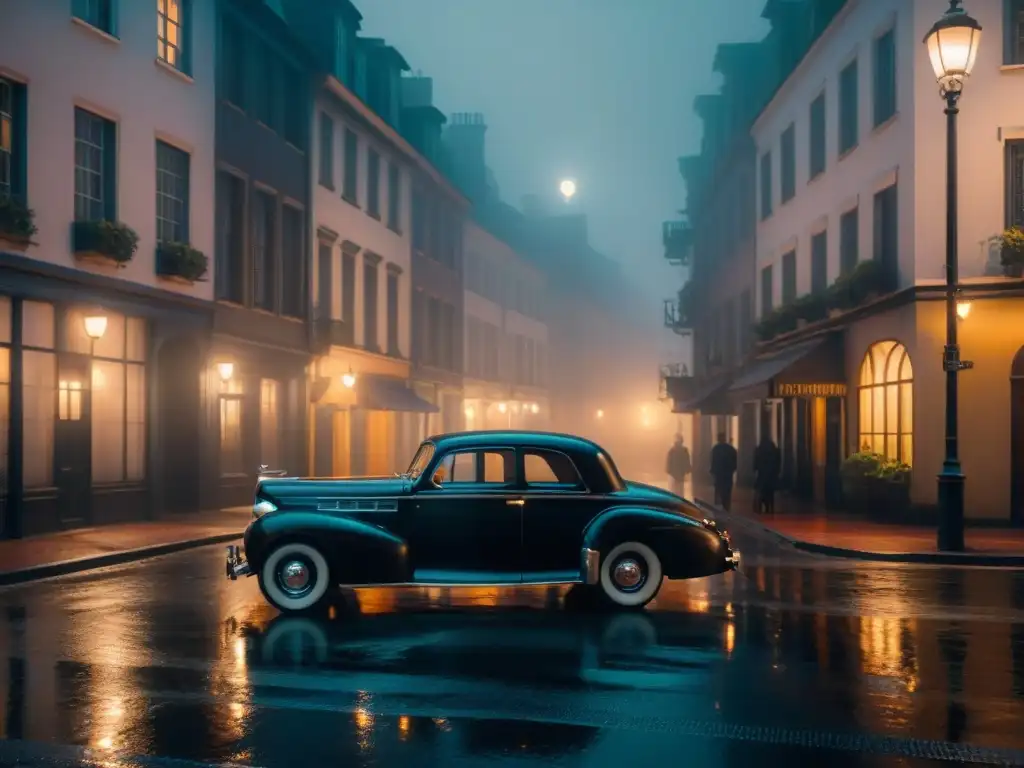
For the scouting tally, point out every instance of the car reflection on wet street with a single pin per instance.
(795, 659)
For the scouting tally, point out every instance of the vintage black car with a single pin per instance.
(473, 509)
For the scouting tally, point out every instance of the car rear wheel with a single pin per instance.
(295, 577)
(630, 575)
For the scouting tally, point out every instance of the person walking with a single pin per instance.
(678, 466)
(723, 469)
(767, 467)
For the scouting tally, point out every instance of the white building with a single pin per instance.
(107, 126)
(851, 168)
(506, 338)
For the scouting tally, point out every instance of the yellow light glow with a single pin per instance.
(348, 380)
(534, 408)
(469, 411)
(503, 407)
(567, 188)
(95, 326)
(403, 726)
(600, 413)
(730, 638)
(963, 308)
(226, 371)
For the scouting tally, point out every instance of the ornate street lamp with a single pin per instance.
(952, 47)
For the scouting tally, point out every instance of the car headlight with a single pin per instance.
(263, 507)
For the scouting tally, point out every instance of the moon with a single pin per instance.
(567, 188)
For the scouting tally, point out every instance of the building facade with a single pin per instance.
(365, 417)
(850, 257)
(506, 338)
(106, 234)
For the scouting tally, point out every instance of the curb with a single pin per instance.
(921, 558)
(92, 562)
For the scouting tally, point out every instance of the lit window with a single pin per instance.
(887, 402)
(170, 42)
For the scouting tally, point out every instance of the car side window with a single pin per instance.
(478, 466)
(550, 469)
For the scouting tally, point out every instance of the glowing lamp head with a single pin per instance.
(600, 413)
(534, 408)
(503, 407)
(952, 44)
(95, 326)
(568, 189)
(469, 411)
(348, 380)
(225, 371)
(963, 308)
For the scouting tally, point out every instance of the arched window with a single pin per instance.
(887, 402)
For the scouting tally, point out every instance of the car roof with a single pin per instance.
(514, 438)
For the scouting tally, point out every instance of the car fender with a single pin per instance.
(686, 547)
(357, 551)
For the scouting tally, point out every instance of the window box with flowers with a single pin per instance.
(858, 286)
(106, 242)
(776, 322)
(17, 225)
(876, 486)
(1011, 243)
(180, 262)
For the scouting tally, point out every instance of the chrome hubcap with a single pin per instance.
(295, 576)
(628, 574)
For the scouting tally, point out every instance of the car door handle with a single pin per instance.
(515, 502)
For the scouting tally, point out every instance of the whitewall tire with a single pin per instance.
(630, 574)
(295, 577)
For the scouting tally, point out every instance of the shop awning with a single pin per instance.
(387, 393)
(812, 367)
(710, 400)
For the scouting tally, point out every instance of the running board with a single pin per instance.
(456, 584)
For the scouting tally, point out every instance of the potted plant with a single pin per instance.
(875, 486)
(108, 241)
(778, 321)
(180, 261)
(17, 224)
(809, 308)
(1011, 243)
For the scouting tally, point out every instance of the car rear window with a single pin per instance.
(549, 468)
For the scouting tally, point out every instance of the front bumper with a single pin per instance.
(236, 563)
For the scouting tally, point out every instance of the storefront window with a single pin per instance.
(887, 401)
(231, 456)
(270, 391)
(39, 385)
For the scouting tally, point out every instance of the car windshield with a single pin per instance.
(421, 460)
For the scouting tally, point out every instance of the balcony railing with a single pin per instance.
(677, 237)
(676, 317)
(676, 383)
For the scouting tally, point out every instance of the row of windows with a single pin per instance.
(173, 26)
(498, 467)
(730, 331)
(503, 285)
(883, 108)
(232, 398)
(437, 333)
(436, 229)
(493, 356)
(371, 283)
(885, 249)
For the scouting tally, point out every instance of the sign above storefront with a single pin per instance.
(823, 389)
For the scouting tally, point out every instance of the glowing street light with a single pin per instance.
(348, 380)
(502, 407)
(600, 413)
(568, 189)
(225, 371)
(963, 308)
(95, 326)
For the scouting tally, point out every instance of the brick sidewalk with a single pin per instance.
(75, 550)
(837, 533)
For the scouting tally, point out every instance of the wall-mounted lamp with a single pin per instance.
(348, 380)
(226, 371)
(469, 411)
(534, 408)
(963, 308)
(599, 414)
(503, 407)
(95, 326)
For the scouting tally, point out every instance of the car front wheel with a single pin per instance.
(630, 575)
(295, 577)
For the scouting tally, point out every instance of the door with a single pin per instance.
(73, 440)
(557, 508)
(835, 439)
(469, 530)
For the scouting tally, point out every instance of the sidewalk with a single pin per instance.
(842, 535)
(56, 554)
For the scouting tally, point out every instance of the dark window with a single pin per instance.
(1013, 26)
(418, 326)
(549, 468)
(788, 277)
(886, 231)
(394, 197)
(477, 467)
(350, 189)
(446, 337)
(348, 293)
(232, 64)
(433, 354)
(13, 134)
(885, 77)
(817, 146)
(264, 94)
(324, 282)
(788, 161)
(173, 31)
(326, 150)
(264, 232)
(766, 185)
(393, 313)
(849, 226)
(766, 291)
(746, 322)
(373, 183)
(172, 168)
(293, 262)
(229, 275)
(97, 13)
(370, 340)
(419, 229)
(849, 107)
(95, 167)
(1015, 183)
(819, 262)
(293, 102)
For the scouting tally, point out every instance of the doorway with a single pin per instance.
(342, 464)
(826, 454)
(72, 450)
(178, 414)
(1017, 439)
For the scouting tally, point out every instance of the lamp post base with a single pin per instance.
(951, 507)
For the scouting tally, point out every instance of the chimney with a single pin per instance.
(421, 122)
(464, 138)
